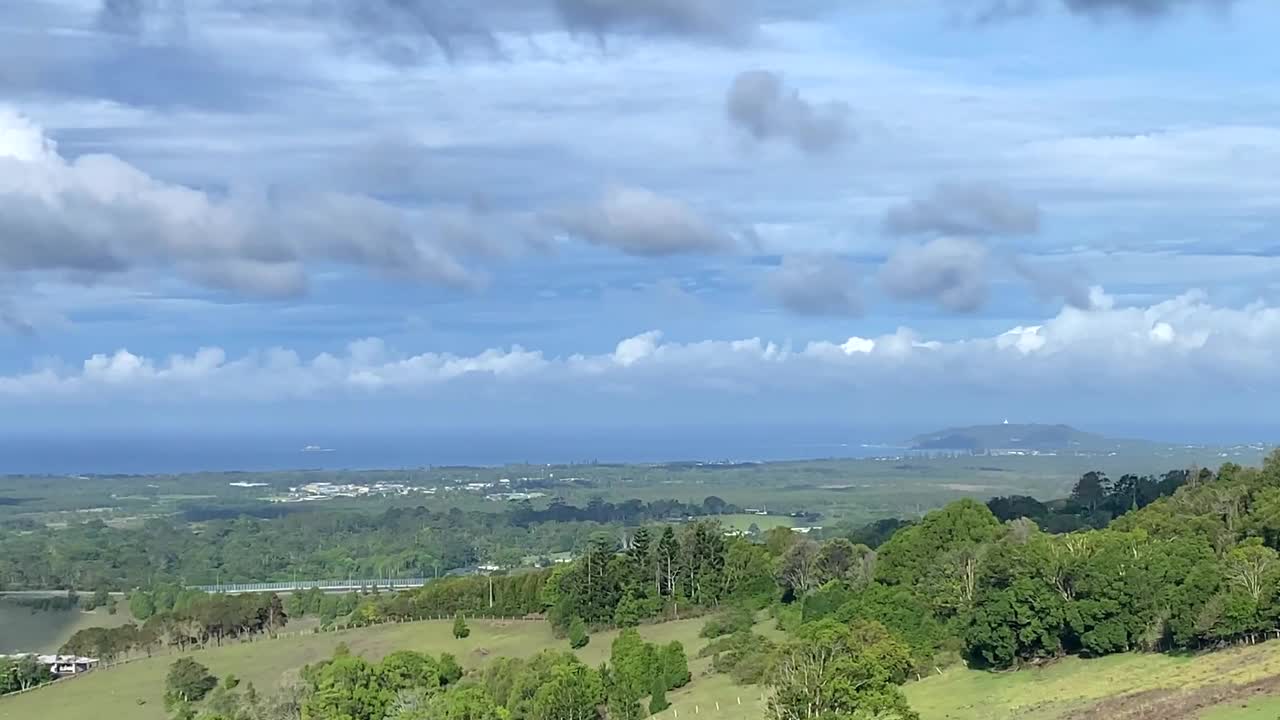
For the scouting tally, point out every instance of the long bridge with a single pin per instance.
(328, 586)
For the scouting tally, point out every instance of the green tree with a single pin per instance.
(187, 682)
(838, 671)
(632, 662)
(658, 696)
(673, 665)
(346, 688)
(470, 703)
(141, 605)
(578, 637)
(460, 629)
(573, 692)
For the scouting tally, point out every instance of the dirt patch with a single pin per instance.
(1172, 703)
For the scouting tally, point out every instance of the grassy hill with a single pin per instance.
(1239, 684)
(135, 690)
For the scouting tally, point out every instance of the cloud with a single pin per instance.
(969, 209)
(1185, 340)
(99, 215)
(949, 271)
(641, 222)
(412, 31)
(760, 103)
(816, 285)
(1072, 286)
(994, 10)
(722, 19)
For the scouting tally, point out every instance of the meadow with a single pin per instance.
(1237, 684)
(135, 689)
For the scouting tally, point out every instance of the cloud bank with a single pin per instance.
(1123, 348)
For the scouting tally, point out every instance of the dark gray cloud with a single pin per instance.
(411, 31)
(972, 209)
(760, 103)
(725, 19)
(139, 17)
(996, 10)
(640, 222)
(1071, 286)
(816, 285)
(951, 272)
(122, 16)
(99, 215)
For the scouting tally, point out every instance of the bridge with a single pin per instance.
(328, 586)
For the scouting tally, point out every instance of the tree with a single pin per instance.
(578, 637)
(460, 629)
(835, 671)
(188, 681)
(673, 665)
(798, 568)
(632, 663)
(346, 687)
(573, 692)
(1091, 489)
(658, 697)
(470, 703)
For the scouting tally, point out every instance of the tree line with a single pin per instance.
(318, 544)
(1190, 564)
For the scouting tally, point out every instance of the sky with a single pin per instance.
(416, 215)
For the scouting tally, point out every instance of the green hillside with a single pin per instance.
(135, 690)
(1238, 684)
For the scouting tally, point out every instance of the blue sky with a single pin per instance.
(617, 213)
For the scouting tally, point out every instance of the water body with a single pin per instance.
(144, 453)
(151, 453)
(44, 631)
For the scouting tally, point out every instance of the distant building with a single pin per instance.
(61, 665)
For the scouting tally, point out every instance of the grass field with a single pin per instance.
(134, 690)
(764, 522)
(22, 630)
(1239, 684)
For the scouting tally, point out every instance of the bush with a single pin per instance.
(460, 629)
(728, 623)
(578, 637)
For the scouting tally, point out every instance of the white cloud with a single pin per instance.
(1185, 339)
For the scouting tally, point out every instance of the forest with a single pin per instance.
(398, 542)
